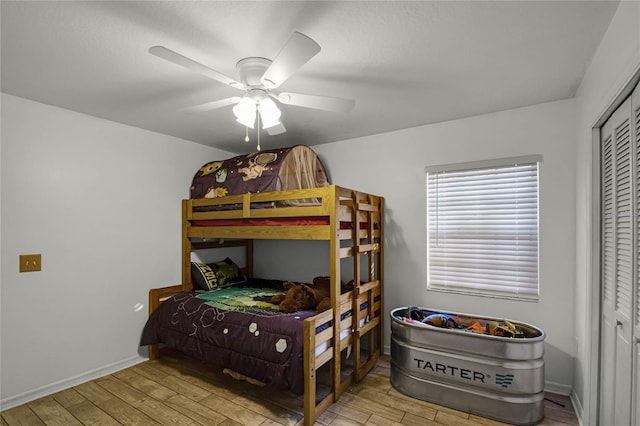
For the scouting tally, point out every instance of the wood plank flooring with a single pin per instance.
(178, 391)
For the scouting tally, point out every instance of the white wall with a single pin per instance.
(616, 59)
(100, 202)
(392, 165)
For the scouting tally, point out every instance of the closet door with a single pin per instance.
(619, 270)
(635, 368)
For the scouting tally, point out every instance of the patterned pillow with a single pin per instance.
(216, 275)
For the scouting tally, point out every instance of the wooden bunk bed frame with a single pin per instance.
(363, 237)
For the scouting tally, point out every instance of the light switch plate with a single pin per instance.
(30, 262)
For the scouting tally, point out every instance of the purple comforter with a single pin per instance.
(231, 328)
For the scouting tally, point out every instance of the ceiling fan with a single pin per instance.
(259, 79)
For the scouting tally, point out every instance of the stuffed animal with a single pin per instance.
(302, 296)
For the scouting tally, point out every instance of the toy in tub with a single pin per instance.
(491, 367)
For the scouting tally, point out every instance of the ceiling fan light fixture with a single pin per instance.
(245, 112)
(269, 113)
(258, 77)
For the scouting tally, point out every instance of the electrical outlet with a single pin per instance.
(30, 262)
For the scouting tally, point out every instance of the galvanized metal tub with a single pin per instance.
(496, 377)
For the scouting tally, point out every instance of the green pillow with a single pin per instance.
(216, 275)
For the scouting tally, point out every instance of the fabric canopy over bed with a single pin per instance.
(282, 169)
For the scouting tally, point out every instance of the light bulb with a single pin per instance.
(269, 113)
(245, 112)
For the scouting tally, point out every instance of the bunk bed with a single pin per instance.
(352, 223)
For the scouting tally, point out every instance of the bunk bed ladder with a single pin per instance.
(366, 215)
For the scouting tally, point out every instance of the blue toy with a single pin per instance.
(440, 320)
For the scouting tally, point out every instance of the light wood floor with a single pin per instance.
(176, 391)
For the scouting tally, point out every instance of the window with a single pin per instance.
(482, 226)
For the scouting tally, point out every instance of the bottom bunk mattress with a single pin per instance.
(235, 328)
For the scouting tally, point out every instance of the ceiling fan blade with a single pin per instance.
(317, 102)
(296, 52)
(178, 59)
(276, 130)
(213, 105)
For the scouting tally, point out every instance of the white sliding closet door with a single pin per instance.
(620, 257)
(635, 371)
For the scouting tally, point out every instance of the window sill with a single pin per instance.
(489, 294)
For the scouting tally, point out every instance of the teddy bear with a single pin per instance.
(302, 296)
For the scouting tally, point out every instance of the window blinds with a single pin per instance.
(482, 226)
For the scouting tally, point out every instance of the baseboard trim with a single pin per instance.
(577, 407)
(25, 397)
(558, 388)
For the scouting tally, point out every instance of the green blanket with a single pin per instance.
(242, 299)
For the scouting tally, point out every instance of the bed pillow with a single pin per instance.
(216, 275)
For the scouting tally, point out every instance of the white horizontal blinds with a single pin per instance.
(483, 229)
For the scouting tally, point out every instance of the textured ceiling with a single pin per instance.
(405, 63)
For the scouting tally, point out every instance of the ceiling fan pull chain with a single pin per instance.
(258, 128)
(246, 134)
